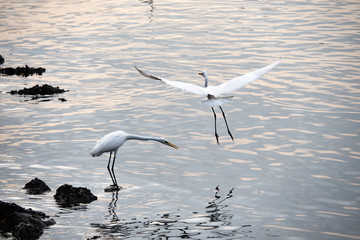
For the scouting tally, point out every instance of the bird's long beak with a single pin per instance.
(172, 145)
(200, 73)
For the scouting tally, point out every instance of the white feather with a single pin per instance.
(108, 143)
(216, 91)
(188, 87)
(111, 142)
(239, 82)
(217, 102)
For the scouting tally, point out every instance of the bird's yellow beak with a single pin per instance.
(172, 145)
(200, 73)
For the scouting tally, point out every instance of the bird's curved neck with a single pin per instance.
(142, 138)
(206, 79)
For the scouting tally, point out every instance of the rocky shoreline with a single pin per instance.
(21, 223)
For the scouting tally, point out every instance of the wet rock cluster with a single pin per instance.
(28, 224)
(36, 186)
(38, 90)
(22, 71)
(23, 223)
(67, 195)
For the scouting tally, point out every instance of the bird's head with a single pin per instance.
(203, 73)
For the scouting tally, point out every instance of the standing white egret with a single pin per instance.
(111, 142)
(213, 93)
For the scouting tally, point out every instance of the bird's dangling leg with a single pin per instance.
(108, 167)
(216, 135)
(226, 123)
(113, 173)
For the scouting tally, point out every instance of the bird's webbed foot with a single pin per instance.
(112, 188)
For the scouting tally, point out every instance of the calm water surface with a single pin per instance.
(294, 164)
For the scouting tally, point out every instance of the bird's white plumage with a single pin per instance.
(216, 91)
(239, 82)
(188, 87)
(110, 142)
(217, 102)
(213, 93)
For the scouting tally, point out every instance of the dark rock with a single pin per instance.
(62, 99)
(38, 90)
(94, 237)
(36, 186)
(25, 231)
(67, 195)
(22, 71)
(23, 223)
(2, 60)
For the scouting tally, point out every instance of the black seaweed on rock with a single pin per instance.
(22, 223)
(36, 186)
(22, 71)
(68, 196)
(39, 90)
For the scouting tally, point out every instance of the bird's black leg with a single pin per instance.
(113, 173)
(216, 135)
(108, 167)
(226, 123)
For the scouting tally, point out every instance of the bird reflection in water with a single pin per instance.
(214, 222)
(151, 13)
(215, 208)
(112, 206)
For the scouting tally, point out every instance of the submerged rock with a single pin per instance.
(67, 195)
(36, 186)
(22, 223)
(39, 90)
(22, 71)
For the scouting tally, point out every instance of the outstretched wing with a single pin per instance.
(239, 82)
(188, 87)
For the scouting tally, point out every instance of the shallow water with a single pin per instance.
(294, 164)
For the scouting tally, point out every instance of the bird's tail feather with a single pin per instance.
(217, 102)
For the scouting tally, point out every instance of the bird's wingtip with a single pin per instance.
(147, 75)
(136, 67)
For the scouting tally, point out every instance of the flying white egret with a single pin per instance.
(111, 142)
(213, 93)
